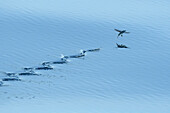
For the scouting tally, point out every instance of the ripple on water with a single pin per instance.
(134, 75)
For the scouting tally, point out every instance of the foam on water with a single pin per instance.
(111, 80)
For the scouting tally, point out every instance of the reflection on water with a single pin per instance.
(113, 79)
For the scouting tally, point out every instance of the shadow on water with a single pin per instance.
(112, 77)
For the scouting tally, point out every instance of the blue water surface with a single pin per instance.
(113, 80)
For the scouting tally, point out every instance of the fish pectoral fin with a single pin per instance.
(117, 30)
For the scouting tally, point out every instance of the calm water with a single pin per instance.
(134, 80)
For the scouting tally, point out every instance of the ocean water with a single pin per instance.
(112, 80)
